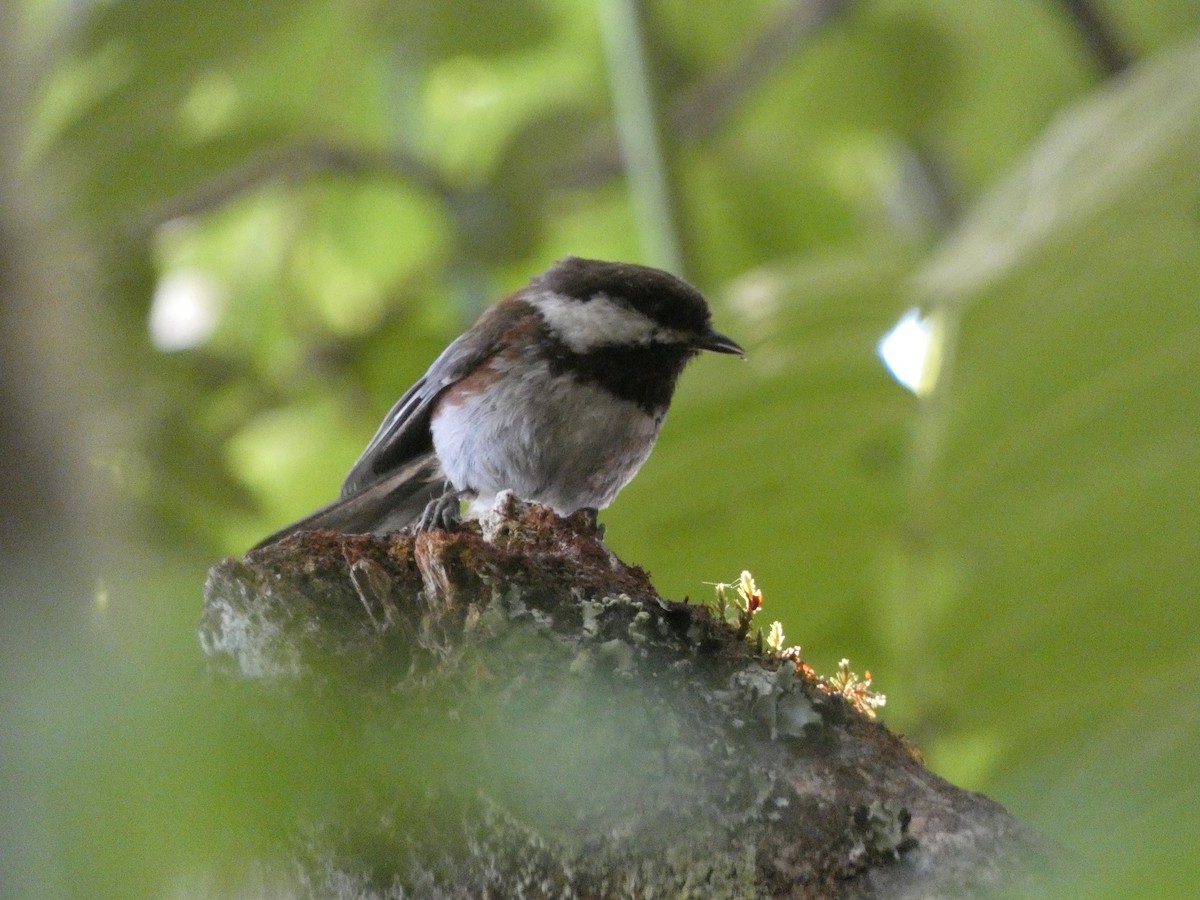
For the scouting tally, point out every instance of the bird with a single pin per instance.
(557, 393)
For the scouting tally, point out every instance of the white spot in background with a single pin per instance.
(757, 294)
(185, 310)
(908, 352)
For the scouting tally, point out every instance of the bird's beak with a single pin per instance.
(718, 343)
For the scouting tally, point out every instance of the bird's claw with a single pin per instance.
(443, 513)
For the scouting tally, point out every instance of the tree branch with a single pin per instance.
(694, 113)
(292, 164)
(1099, 35)
(698, 111)
(702, 109)
(602, 741)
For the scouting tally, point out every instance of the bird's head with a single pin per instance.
(590, 305)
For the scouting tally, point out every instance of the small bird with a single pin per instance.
(557, 393)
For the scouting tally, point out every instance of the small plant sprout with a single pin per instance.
(721, 604)
(855, 691)
(750, 597)
(737, 604)
(774, 639)
(749, 601)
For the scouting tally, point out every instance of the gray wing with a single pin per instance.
(399, 472)
(404, 434)
(386, 504)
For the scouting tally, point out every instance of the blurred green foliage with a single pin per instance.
(343, 186)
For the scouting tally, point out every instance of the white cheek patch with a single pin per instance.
(584, 326)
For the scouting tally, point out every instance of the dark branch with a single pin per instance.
(695, 113)
(701, 110)
(1100, 36)
(292, 164)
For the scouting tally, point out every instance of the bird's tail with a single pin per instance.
(390, 503)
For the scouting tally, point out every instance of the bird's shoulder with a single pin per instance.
(404, 433)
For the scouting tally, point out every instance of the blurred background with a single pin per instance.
(960, 242)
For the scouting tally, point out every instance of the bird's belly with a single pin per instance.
(547, 438)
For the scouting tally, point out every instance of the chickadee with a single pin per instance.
(557, 393)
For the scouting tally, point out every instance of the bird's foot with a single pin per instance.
(443, 513)
(591, 516)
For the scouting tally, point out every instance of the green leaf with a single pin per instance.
(1058, 517)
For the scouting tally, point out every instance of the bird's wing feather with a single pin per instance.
(404, 434)
(387, 504)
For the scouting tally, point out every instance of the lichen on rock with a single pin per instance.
(545, 725)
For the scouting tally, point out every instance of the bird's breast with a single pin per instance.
(543, 434)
